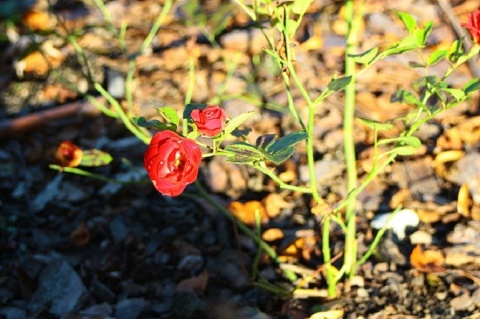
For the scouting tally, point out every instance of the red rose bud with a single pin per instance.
(210, 121)
(172, 162)
(473, 25)
(68, 154)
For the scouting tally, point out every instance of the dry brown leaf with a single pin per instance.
(300, 248)
(273, 234)
(80, 237)
(274, 203)
(399, 197)
(427, 260)
(463, 201)
(197, 284)
(247, 213)
(58, 93)
(37, 20)
(438, 163)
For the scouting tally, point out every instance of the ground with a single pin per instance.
(76, 247)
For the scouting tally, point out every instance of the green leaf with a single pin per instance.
(94, 157)
(236, 122)
(153, 124)
(245, 153)
(374, 125)
(287, 141)
(436, 57)
(422, 34)
(412, 141)
(336, 85)
(192, 106)
(403, 150)
(366, 57)
(456, 93)
(455, 51)
(404, 96)
(300, 6)
(169, 114)
(282, 156)
(471, 86)
(407, 44)
(408, 21)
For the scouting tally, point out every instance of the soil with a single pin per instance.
(76, 247)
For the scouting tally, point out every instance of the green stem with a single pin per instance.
(349, 139)
(121, 114)
(281, 183)
(153, 31)
(102, 178)
(244, 229)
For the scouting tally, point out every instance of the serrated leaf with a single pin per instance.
(336, 85)
(169, 114)
(192, 106)
(236, 122)
(407, 20)
(365, 57)
(153, 124)
(287, 141)
(376, 125)
(245, 153)
(436, 57)
(471, 86)
(94, 157)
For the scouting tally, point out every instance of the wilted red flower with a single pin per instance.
(473, 25)
(68, 154)
(210, 121)
(172, 162)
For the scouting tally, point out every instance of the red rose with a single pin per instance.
(68, 154)
(172, 162)
(473, 25)
(210, 121)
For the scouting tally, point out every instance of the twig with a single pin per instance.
(38, 119)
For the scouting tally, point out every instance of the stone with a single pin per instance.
(130, 308)
(60, 287)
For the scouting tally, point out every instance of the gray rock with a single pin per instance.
(13, 313)
(462, 302)
(48, 193)
(130, 308)
(61, 287)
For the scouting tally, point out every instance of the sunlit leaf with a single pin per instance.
(374, 125)
(365, 57)
(436, 56)
(339, 84)
(236, 122)
(408, 21)
(422, 34)
(472, 86)
(95, 157)
(169, 114)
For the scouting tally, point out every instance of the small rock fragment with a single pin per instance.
(462, 302)
(130, 308)
(398, 221)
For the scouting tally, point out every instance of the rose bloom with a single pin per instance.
(172, 162)
(473, 25)
(210, 121)
(68, 154)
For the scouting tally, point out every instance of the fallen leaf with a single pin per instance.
(273, 234)
(300, 248)
(442, 158)
(330, 314)
(197, 284)
(427, 260)
(274, 203)
(37, 20)
(80, 237)
(463, 201)
(248, 212)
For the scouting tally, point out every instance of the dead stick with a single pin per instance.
(38, 119)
